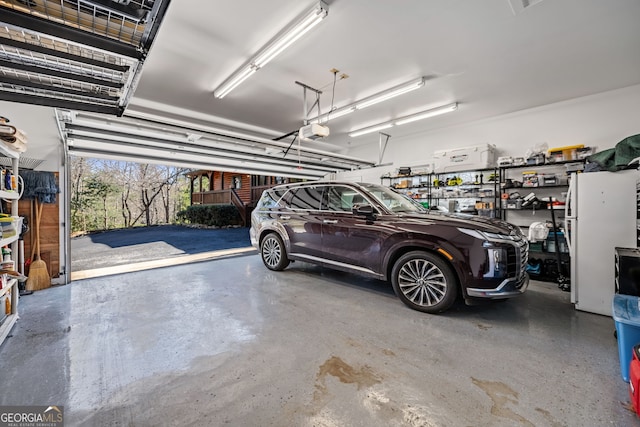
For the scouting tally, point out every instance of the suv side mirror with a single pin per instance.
(363, 209)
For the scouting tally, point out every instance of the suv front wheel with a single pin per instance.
(274, 255)
(424, 282)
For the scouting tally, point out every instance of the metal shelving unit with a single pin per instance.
(422, 187)
(11, 287)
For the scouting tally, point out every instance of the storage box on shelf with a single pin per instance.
(467, 158)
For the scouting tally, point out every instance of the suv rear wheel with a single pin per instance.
(424, 282)
(274, 255)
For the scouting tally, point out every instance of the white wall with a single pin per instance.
(600, 120)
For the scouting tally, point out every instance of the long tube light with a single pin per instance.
(406, 119)
(390, 93)
(338, 112)
(234, 81)
(373, 99)
(284, 39)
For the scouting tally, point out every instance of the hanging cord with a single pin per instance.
(333, 92)
(290, 145)
(333, 89)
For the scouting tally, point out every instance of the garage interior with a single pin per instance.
(226, 341)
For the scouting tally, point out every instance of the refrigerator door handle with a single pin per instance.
(567, 235)
(569, 209)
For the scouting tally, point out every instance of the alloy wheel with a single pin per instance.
(422, 282)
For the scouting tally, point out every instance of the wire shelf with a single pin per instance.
(23, 162)
(53, 44)
(122, 22)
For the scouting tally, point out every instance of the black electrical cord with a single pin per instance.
(289, 147)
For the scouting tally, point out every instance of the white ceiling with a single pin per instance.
(480, 54)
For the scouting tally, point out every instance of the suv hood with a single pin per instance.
(490, 225)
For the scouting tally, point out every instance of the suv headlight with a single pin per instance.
(485, 235)
(496, 261)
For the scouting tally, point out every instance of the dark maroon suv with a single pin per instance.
(429, 257)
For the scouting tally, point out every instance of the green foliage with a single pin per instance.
(109, 194)
(98, 189)
(211, 215)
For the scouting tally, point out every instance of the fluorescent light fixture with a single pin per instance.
(338, 112)
(371, 129)
(390, 93)
(284, 39)
(426, 114)
(373, 99)
(309, 20)
(406, 119)
(231, 83)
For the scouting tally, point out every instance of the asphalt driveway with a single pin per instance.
(126, 246)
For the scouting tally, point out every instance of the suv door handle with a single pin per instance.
(330, 221)
(285, 217)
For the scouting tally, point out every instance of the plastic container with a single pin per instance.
(626, 314)
(634, 379)
(468, 158)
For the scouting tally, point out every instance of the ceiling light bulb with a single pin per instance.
(370, 129)
(426, 114)
(393, 92)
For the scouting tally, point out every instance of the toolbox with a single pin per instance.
(569, 152)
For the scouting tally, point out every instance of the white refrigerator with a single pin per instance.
(600, 215)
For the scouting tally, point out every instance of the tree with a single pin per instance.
(99, 189)
(105, 190)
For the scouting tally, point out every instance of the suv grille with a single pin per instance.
(517, 258)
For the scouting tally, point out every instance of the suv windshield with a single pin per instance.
(393, 200)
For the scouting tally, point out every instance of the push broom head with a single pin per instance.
(38, 276)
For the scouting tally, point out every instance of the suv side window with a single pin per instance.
(340, 198)
(269, 199)
(306, 198)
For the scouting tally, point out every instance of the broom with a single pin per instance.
(38, 273)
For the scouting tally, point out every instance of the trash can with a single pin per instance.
(634, 379)
(626, 314)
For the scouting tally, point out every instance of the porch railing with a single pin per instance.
(256, 193)
(211, 197)
(239, 204)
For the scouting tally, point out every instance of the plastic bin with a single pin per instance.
(626, 314)
(634, 379)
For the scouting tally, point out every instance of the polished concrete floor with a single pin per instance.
(226, 342)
